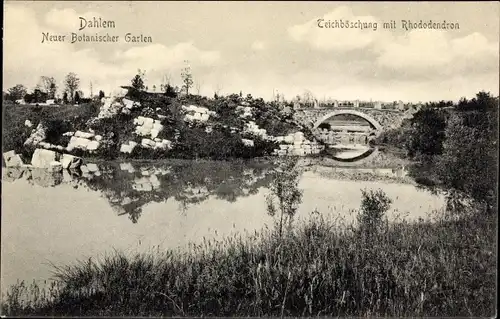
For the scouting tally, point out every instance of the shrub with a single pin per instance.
(426, 135)
(374, 205)
(285, 197)
(55, 129)
(469, 161)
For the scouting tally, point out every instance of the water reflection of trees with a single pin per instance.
(129, 187)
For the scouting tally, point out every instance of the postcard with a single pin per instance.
(253, 159)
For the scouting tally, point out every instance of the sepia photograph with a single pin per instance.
(249, 159)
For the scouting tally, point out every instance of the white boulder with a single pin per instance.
(154, 133)
(205, 117)
(148, 122)
(246, 142)
(110, 108)
(142, 131)
(38, 135)
(197, 116)
(78, 142)
(84, 134)
(139, 120)
(70, 162)
(129, 104)
(93, 145)
(92, 167)
(84, 169)
(288, 139)
(12, 159)
(299, 136)
(147, 143)
(158, 126)
(42, 158)
(127, 148)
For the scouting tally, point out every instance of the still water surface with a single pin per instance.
(137, 207)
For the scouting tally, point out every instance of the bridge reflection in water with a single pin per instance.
(348, 138)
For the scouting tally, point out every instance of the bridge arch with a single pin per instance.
(370, 119)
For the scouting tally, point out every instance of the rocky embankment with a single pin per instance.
(147, 128)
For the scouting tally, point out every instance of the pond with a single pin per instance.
(135, 207)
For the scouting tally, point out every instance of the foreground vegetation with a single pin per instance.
(447, 268)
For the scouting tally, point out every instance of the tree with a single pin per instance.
(77, 97)
(138, 80)
(72, 83)
(170, 91)
(39, 96)
(52, 91)
(468, 165)
(101, 94)
(48, 84)
(17, 92)
(426, 135)
(65, 98)
(284, 190)
(308, 98)
(187, 78)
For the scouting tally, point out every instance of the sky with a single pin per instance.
(261, 48)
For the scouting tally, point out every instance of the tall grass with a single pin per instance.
(446, 268)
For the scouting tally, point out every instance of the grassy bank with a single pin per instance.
(446, 268)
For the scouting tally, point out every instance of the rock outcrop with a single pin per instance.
(70, 162)
(37, 135)
(43, 158)
(247, 142)
(296, 145)
(110, 108)
(54, 161)
(86, 141)
(156, 144)
(254, 129)
(12, 159)
(244, 111)
(194, 113)
(146, 126)
(128, 147)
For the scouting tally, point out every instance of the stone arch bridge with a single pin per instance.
(379, 119)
